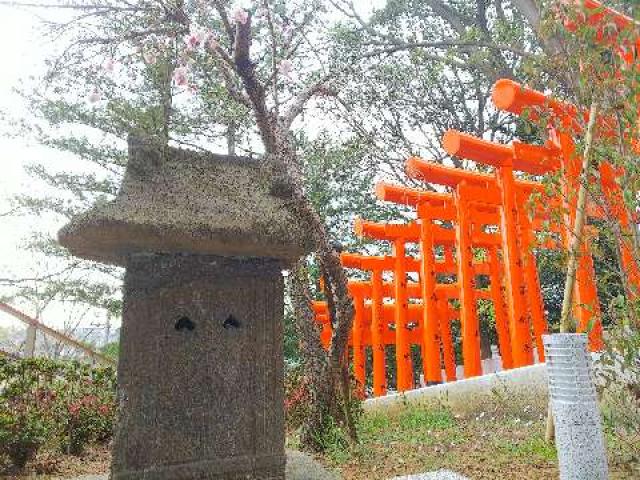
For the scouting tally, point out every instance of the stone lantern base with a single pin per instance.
(201, 371)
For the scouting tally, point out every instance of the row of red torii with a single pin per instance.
(489, 225)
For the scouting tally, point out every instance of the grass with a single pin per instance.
(481, 445)
(534, 447)
(500, 442)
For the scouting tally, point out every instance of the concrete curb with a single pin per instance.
(527, 383)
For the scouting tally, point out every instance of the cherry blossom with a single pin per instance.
(212, 43)
(109, 65)
(193, 41)
(240, 15)
(150, 57)
(285, 67)
(180, 76)
(94, 96)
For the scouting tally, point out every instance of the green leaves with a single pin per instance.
(60, 405)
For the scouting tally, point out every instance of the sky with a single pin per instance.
(23, 54)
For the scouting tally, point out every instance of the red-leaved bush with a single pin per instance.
(53, 404)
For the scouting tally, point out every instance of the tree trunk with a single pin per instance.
(313, 355)
(287, 182)
(231, 138)
(333, 385)
(531, 10)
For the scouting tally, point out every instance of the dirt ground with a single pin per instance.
(482, 446)
(49, 464)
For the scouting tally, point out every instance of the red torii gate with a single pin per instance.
(478, 201)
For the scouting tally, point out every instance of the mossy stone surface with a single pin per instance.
(176, 201)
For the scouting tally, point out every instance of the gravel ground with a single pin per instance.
(304, 467)
(300, 466)
(439, 475)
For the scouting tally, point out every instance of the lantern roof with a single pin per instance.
(181, 201)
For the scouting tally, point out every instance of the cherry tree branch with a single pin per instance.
(300, 101)
(59, 6)
(228, 28)
(458, 22)
(228, 74)
(401, 46)
(274, 57)
(245, 69)
(133, 36)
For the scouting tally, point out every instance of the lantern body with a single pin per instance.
(201, 370)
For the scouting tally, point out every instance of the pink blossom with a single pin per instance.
(285, 67)
(180, 76)
(213, 43)
(192, 88)
(109, 65)
(88, 400)
(150, 57)
(192, 41)
(94, 96)
(240, 15)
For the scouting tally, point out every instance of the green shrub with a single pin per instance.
(22, 432)
(619, 378)
(62, 405)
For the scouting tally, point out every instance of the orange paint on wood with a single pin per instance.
(377, 335)
(404, 369)
(431, 313)
(500, 311)
(466, 279)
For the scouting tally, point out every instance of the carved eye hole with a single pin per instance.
(231, 322)
(184, 323)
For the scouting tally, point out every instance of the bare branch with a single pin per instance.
(228, 73)
(457, 21)
(15, 281)
(10, 212)
(274, 57)
(400, 46)
(245, 68)
(133, 36)
(61, 6)
(297, 107)
(531, 11)
(228, 28)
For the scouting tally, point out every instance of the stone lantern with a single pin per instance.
(201, 351)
